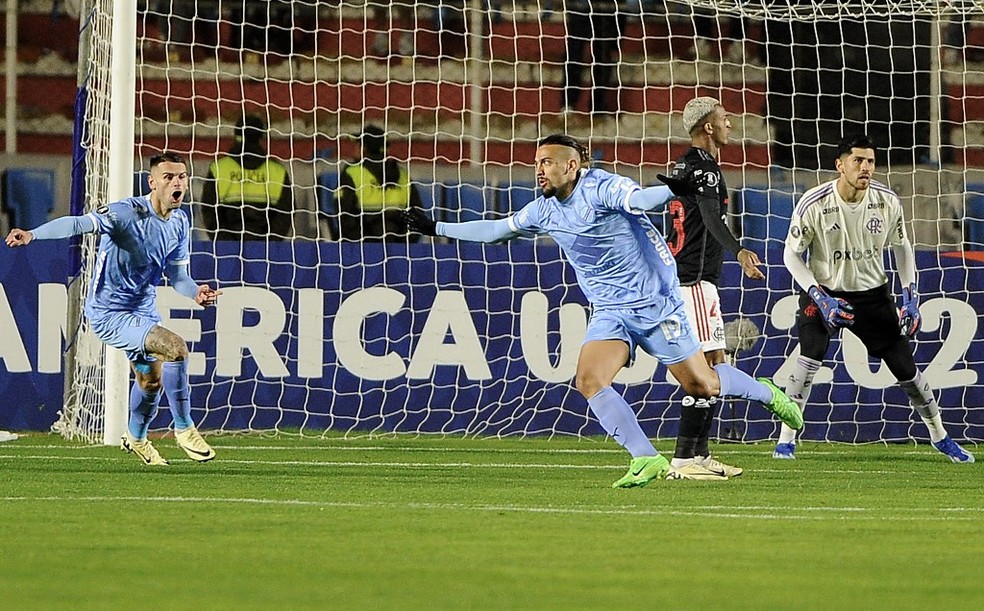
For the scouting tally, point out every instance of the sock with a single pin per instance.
(178, 390)
(692, 413)
(798, 387)
(737, 383)
(618, 419)
(922, 400)
(705, 430)
(143, 408)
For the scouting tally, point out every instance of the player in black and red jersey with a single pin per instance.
(698, 236)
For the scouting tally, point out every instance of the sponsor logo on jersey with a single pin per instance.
(834, 227)
(876, 205)
(830, 210)
(855, 254)
(875, 225)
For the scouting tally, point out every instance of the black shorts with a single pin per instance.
(876, 322)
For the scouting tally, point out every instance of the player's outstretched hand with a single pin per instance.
(206, 296)
(19, 237)
(909, 317)
(835, 311)
(418, 221)
(750, 264)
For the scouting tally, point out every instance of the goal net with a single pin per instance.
(325, 327)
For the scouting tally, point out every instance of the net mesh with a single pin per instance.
(317, 334)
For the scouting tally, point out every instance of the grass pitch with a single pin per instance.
(423, 523)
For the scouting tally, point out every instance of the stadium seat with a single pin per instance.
(514, 195)
(467, 201)
(974, 217)
(140, 186)
(432, 198)
(765, 212)
(28, 196)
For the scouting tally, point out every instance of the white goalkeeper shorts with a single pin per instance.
(703, 306)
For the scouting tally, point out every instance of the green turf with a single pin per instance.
(422, 523)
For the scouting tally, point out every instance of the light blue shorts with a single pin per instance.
(664, 334)
(127, 331)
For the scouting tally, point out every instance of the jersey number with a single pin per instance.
(677, 215)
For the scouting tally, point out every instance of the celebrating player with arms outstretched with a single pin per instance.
(697, 237)
(844, 226)
(627, 273)
(143, 238)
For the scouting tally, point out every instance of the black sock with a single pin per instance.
(709, 408)
(691, 422)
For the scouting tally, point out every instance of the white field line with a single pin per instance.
(713, 511)
(842, 450)
(411, 465)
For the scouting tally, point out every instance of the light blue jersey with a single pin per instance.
(620, 259)
(136, 249)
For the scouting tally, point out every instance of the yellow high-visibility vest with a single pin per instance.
(261, 186)
(372, 196)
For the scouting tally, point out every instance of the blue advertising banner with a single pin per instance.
(464, 338)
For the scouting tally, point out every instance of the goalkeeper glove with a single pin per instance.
(835, 311)
(418, 221)
(909, 317)
(695, 184)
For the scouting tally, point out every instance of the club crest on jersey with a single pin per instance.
(875, 225)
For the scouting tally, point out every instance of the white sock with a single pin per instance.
(676, 463)
(798, 387)
(922, 399)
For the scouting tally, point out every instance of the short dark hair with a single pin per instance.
(373, 139)
(167, 156)
(860, 141)
(250, 128)
(564, 140)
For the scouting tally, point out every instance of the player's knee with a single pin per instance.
(702, 388)
(588, 384)
(178, 351)
(150, 385)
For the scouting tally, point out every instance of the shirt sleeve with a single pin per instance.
(615, 191)
(528, 219)
(897, 234)
(181, 255)
(800, 234)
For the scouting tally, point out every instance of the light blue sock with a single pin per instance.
(143, 408)
(618, 419)
(178, 390)
(737, 383)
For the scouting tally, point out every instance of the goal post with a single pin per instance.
(317, 336)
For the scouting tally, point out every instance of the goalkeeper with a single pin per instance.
(627, 273)
(143, 238)
(844, 226)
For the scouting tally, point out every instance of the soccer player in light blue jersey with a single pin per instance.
(629, 276)
(143, 239)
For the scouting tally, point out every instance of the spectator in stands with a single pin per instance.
(596, 26)
(186, 25)
(373, 194)
(247, 194)
(721, 38)
(391, 14)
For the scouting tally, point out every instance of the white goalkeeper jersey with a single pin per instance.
(846, 241)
